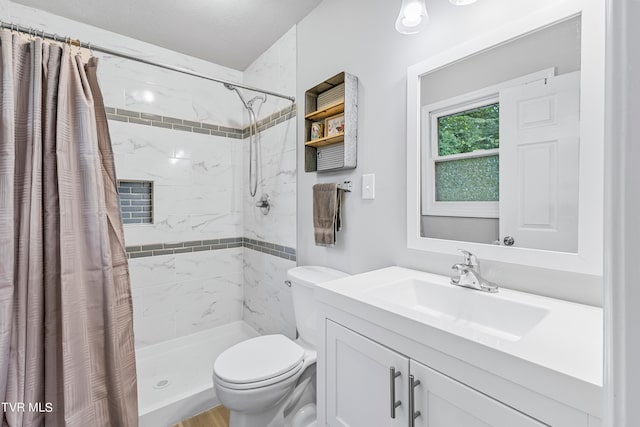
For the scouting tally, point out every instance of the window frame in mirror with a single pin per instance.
(589, 257)
(429, 134)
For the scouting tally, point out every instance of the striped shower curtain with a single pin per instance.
(66, 325)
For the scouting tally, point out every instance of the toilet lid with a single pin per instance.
(258, 359)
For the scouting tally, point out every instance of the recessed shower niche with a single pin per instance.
(136, 201)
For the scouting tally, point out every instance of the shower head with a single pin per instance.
(232, 87)
(257, 98)
(247, 104)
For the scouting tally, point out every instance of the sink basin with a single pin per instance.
(454, 307)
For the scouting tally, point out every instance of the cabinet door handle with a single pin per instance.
(392, 391)
(413, 414)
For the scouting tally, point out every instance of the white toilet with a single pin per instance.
(269, 381)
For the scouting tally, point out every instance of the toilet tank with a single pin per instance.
(303, 280)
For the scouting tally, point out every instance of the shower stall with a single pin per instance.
(207, 265)
(209, 270)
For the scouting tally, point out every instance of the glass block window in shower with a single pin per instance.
(136, 201)
(462, 158)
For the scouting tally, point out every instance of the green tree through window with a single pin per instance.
(470, 130)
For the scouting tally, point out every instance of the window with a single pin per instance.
(466, 168)
(463, 160)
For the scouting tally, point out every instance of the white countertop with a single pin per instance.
(561, 357)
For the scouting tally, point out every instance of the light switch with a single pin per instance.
(369, 186)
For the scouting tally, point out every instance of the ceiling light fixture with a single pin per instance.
(461, 2)
(412, 17)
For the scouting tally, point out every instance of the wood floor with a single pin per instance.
(216, 417)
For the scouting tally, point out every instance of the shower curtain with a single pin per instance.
(66, 326)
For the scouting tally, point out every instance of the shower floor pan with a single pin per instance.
(175, 376)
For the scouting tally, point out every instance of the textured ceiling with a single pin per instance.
(228, 32)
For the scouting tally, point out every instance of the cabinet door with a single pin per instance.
(359, 385)
(444, 402)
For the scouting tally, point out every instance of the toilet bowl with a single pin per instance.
(269, 381)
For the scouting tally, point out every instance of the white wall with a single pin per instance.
(362, 40)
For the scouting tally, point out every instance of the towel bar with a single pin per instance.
(345, 186)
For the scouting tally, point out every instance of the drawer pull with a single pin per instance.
(392, 391)
(413, 414)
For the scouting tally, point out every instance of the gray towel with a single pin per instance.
(326, 213)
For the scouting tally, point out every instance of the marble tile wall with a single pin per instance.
(268, 306)
(275, 70)
(196, 180)
(267, 301)
(277, 178)
(197, 197)
(179, 294)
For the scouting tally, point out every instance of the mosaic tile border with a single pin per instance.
(156, 249)
(275, 119)
(274, 249)
(175, 123)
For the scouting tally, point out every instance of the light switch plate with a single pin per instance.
(369, 186)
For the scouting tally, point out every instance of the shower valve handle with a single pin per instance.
(264, 204)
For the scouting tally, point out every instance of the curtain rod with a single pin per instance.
(92, 47)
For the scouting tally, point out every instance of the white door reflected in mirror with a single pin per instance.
(539, 164)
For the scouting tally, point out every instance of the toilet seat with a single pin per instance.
(259, 362)
(259, 384)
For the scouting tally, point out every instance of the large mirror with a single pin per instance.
(500, 146)
(505, 145)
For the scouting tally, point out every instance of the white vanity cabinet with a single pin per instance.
(445, 402)
(361, 383)
(473, 363)
(361, 386)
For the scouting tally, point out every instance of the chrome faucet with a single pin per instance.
(469, 274)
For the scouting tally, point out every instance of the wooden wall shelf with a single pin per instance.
(335, 96)
(327, 140)
(329, 111)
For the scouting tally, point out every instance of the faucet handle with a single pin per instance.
(461, 268)
(469, 258)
